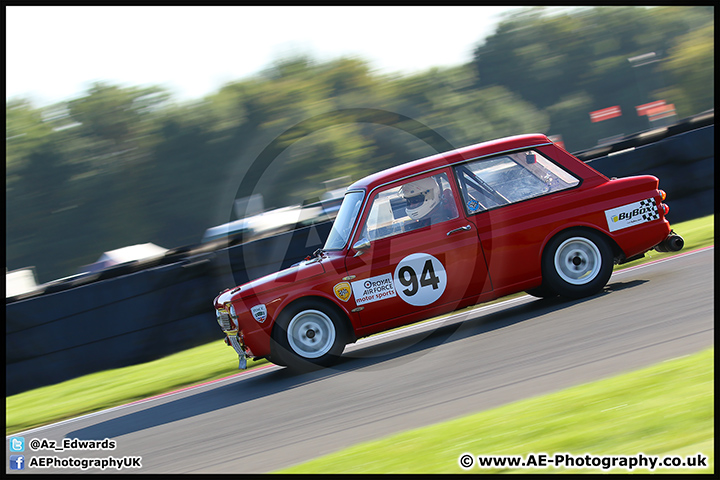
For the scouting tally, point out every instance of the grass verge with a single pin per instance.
(119, 386)
(666, 409)
(697, 233)
(110, 388)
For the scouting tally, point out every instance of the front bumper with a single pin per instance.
(238, 347)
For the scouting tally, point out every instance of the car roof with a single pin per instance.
(444, 159)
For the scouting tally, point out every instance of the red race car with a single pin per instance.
(444, 233)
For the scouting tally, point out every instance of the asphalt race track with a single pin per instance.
(266, 419)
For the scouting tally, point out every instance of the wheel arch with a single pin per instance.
(618, 253)
(349, 330)
(593, 250)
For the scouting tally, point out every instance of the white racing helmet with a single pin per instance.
(421, 196)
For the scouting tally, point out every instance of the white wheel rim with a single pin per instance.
(311, 333)
(578, 261)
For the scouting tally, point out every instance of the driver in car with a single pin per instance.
(424, 204)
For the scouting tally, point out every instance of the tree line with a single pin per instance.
(122, 165)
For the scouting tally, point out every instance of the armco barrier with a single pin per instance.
(647, 137)
(684, 164)
(135, 313)
(107, 324)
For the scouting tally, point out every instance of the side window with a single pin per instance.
(414, 204)
(510, 178)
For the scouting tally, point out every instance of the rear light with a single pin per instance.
(662, 195)
(665, 209)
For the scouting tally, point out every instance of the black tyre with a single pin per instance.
(577, 263)
(307, 335)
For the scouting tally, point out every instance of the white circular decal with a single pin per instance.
(420, 279)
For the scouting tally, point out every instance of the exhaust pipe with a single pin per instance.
(672, 243)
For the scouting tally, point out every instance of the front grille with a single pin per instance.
(224, 320)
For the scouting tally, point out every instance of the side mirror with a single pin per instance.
(361, 245)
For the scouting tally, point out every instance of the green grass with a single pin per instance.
(697, 233)
(119, 386)
(204, 363)
(666, 409)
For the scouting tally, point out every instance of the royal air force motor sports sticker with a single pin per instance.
(632, 214)
(373, 289)
(419, 279)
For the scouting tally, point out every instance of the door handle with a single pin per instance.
(466, 227)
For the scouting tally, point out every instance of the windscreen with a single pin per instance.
(342, 227)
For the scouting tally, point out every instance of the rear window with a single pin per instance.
(510, 178)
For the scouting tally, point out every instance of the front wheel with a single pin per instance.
(577, 263)
(309, 334)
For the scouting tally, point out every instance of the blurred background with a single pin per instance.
(120, 165)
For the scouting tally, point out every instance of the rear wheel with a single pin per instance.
(309, 334)
(577, 263)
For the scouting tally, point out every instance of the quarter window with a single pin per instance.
(510, 178)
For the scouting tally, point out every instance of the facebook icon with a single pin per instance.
(17, 462)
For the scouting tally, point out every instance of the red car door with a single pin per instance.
(414, 264)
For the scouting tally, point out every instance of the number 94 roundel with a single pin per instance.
(420, 279)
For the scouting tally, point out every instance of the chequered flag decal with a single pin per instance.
(632, 214)
(652, 213)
